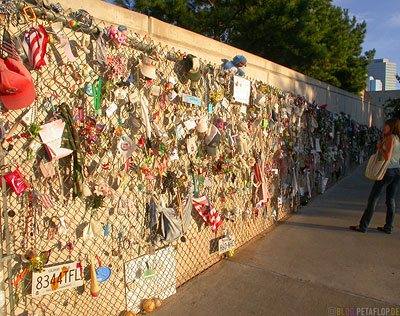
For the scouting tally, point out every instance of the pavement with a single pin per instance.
(310, 264)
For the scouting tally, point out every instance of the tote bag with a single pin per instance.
(376, 167)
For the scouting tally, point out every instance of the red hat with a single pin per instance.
(16, 85)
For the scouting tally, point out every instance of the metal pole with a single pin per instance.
(8, 257)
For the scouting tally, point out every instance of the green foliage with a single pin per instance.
(310, 36)
(97, 201)
(392, 106)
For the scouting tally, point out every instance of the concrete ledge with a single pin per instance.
(215, 51)
(110, 13)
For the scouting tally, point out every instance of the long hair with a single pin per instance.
(394, 125)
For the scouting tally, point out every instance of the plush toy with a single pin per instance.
(234, 65)
(118, 35)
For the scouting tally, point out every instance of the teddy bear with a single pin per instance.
(234, 65)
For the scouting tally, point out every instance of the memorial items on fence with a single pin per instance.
(138, 127)
(51, 135)
(57, 30)
(102, 273)
(17, 89)
(35, 46)
(56, 278)
(118, 35)
(192, 67)
(16, 181)
(208, 212)
(173, 223)
(236, 64)
(143, 282)
(148, 67)
(94, 283)
(241, 92)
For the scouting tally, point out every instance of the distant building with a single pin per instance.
(382, 69)
(379, 98)
(375, 100)
(374, 84)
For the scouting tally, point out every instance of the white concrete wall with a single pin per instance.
(213, 51)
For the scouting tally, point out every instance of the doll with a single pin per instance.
(118, 35)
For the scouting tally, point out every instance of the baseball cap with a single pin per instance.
(212, 140)
(16, 85)
(148, 67)
(192, 67)
(202, 125)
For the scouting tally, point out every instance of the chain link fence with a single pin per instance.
(139, 164)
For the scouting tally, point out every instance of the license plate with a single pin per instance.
(56, 278)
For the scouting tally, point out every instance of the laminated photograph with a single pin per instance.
(241, 90)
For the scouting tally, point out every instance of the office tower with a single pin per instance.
(374, 84)
(385, 71)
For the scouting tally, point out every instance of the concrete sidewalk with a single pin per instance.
(311, 264)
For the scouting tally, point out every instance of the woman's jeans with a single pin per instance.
(391, 181)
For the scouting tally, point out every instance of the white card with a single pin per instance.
(134, 97)
(120, 94)
(111, 109)
(190, 124)
(225, 103)
(155, 91)
(180, 132)
(28, 118)
(174, 155)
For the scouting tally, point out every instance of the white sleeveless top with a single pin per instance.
(395, 160)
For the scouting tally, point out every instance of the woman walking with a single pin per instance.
(390, 150)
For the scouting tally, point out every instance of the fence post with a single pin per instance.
(5, 232)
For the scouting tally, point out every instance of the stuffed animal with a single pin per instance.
(234, 65)
(118, 36)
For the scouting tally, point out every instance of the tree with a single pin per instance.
(129, 4)
(392, 106)
(310, 36)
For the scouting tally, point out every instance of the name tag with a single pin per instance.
(191, 99)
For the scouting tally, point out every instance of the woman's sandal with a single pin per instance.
(383, 229)
(357, 229)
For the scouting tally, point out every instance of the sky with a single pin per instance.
(383, 24)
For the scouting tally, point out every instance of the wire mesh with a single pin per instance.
(305, 149)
